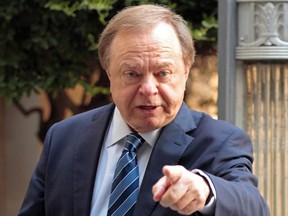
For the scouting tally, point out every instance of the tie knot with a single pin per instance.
(134, 141)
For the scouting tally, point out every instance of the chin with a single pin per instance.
(149, 127)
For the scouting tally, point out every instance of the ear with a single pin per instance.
(187, 70)
(108, 74)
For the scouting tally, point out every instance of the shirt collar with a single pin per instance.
(119, 129)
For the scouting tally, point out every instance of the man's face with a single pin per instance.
(147, 76)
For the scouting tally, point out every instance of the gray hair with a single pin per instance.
(141, 16)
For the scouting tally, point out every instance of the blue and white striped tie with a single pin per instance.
(125, 184)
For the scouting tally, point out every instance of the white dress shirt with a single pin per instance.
(111, 151)
(114, 143)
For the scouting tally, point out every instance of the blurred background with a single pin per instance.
(49, 71)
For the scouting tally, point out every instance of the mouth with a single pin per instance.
(147, 107)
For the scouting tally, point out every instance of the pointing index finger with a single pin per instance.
(173, 173)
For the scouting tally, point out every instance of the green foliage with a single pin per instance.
(49, 44)
(209, 23)
(70, 8)
(46, 49)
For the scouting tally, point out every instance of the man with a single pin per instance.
(189, 164)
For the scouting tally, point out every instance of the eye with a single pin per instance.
(130, 74)
(163, 73)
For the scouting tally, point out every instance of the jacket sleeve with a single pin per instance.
(236, 186)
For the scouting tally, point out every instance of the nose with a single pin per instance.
(148, 86)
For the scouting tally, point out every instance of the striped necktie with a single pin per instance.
(125, 184)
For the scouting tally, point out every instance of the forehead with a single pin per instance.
(156, 39)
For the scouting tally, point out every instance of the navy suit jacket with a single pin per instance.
(63, 181)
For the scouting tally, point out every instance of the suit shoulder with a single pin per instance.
(217, 126)
(88, 116)
(81, 120)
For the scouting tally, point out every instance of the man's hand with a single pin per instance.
(181, 190)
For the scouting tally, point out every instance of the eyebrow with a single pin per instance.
(159, 66)
(130, 64)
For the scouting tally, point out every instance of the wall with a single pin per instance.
(1, 155)
(20, 151)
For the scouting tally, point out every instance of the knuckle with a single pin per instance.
(177, 206)
(186, 211)
(173, 195)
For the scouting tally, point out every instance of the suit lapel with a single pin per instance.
(86, 160)
(172, 143)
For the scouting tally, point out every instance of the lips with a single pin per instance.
(147, 107)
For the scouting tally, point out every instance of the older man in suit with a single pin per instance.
(187, 162)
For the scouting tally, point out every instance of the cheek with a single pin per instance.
(172, 95)
(116, 85)
(122, 95)
(176, 86)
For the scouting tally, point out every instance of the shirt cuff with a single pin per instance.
(208, 209)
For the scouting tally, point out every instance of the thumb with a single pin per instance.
(173, 173)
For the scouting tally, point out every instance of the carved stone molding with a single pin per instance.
(269, 20)
(262, 30)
